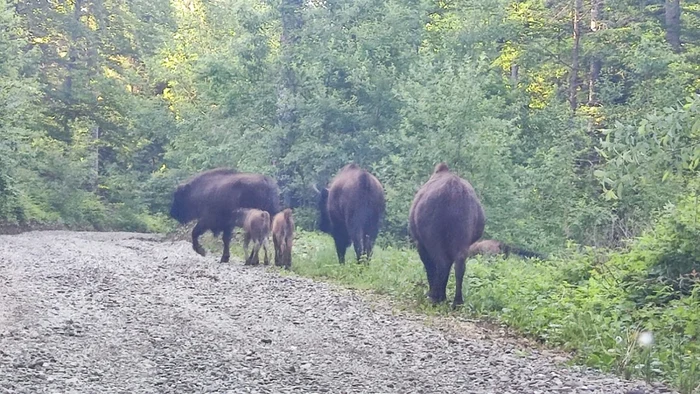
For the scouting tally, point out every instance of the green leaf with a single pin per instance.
(610, 195)
(665, 176)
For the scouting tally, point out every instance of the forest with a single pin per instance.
(577, 122)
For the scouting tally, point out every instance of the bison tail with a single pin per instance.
(365, 182)
(441, 167)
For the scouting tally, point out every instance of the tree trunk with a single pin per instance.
(596, 62)
(673, 23)
(287, 117)
(291, 22)
(573, 77)
(596, 14)
(96, 153)
(70, 66)
(596, 65)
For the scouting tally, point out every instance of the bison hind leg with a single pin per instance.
(246, 243)
(276, 245)
(341, 245)
(435, 271)
(460, 267)
(430, 271)
(358, 245)
(288, 256)
(265, 246)
(250, 257)
(358, 251)
(255, 254)
(368, 246)
(197, 232)
(441, 278)
(227, 234)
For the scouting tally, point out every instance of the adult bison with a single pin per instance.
(212, 196)
(445, 218)
(350, 210)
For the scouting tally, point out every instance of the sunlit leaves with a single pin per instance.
(664, 146)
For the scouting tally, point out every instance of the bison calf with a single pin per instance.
(256, 228)
(489, 247)
(445, 219)
(282, 237)
(350, 210)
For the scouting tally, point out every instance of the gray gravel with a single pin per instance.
(127, 313)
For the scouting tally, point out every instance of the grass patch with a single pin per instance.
(579, 303)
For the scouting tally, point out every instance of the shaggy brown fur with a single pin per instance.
(211, 196)
(489, 247)
(350, 210)
(283, 237)
(445, 218)
(256, 228)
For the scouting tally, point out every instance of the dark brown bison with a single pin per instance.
(212, 196)
(445, 218)
(488, 247)
(283, 237)
(256, 228)
(350, 210)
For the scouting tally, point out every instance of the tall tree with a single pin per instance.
(575, 53)
(672, 12)
(287, 104)
(596, 60)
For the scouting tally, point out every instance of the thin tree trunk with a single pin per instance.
(96, 153)
(291, 22)
(596, 65)
(94, 60)
(596, 62)
(673, 23)
(514, 74)
(287, 117)
(573, 77)
(70, 66)
(596, 14)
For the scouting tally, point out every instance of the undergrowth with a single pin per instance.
(635, 312)
(576, 303)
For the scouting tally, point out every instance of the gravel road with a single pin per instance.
(128, 313)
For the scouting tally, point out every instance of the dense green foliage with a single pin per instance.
(107, 104)
(577, 122)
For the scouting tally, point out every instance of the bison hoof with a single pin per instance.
(200, 250)
(435, 300)
(224, 259)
